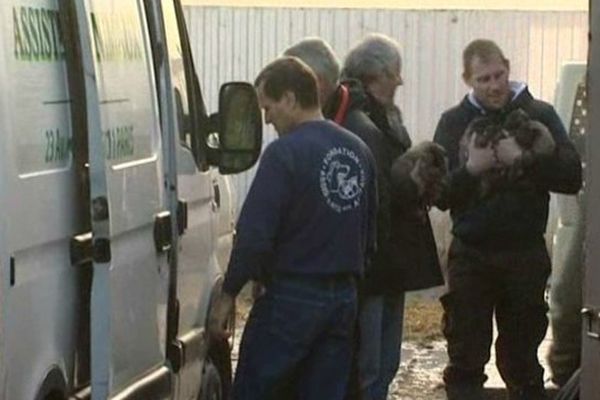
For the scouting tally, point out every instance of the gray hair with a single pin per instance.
(319, 56)
(374, 55)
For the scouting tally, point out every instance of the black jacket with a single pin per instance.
(516, 216)
(406, 256)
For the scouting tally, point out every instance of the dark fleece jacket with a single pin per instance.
(406, 256)
(514, 217)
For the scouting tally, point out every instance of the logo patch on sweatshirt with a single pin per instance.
(342, 179)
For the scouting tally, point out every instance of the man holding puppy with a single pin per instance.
(498, 262)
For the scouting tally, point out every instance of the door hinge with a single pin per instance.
(591, 319)
(100, 208)
(101, 250)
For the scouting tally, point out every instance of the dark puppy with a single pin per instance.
(485, 132)
(426, 165)
(533, 138)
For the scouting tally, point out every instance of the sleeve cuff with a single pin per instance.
(233, 286)
(463, 178)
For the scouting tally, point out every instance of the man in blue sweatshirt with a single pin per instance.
(305, 232)
(497, 262)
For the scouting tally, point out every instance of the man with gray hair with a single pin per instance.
(359, 110)
(319, 56)
(343, 103)
(406, 257)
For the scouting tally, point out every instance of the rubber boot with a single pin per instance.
(533, 392)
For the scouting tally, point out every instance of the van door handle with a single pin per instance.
(217, 195)
(182, 216)
(162, 231)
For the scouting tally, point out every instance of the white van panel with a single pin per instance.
(133, 157)
(38, 147)
(198, 269)
(572, 75)
(40, 294)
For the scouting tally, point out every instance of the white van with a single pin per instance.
(111, 193)
(565, 295)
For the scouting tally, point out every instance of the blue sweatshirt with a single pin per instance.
(310, 209)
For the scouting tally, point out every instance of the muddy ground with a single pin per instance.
(423, 351)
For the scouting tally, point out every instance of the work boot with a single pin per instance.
(464, 392)
(533, 392)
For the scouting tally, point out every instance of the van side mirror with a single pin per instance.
(239, 127)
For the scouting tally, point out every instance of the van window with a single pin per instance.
(182, 76)
(36, 91)
(125, 81)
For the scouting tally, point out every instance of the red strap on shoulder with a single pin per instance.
(343, 109)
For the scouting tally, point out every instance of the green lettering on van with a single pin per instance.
(119, 142)
(58, 146)
(116, 37)
(37, 35)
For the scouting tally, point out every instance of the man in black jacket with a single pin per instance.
(498, 262)
(406, 257)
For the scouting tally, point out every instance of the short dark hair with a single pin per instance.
(289, 74)
(485, 49)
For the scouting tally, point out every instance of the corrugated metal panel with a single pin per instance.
(235, 43)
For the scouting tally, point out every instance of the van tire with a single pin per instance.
(53, 387)
(220, 354)
(211, 386)
(55, 396)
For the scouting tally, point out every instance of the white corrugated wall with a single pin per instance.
(234, 43)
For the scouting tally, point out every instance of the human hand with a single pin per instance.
(480, 159)
(219, 313)
(544, 143)
(508, 151)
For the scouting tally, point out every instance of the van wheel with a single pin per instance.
(220, 356)
(54, 396)
(210, 389)
(53, 387)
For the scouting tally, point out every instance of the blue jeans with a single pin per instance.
(380, 321)
(297, 343)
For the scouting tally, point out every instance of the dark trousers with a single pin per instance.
(298, 341)
(510, 284)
